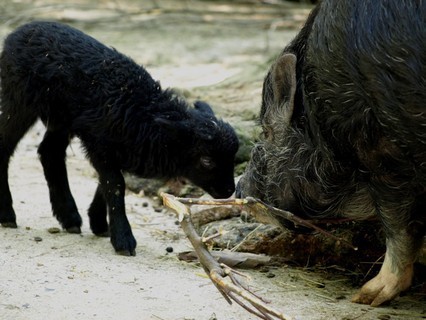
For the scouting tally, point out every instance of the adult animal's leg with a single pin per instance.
(405, 229)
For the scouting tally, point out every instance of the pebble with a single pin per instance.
(264, 270)
(169, 249)
(38, 239)
(54, 230)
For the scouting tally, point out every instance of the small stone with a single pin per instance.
(145, 204)
(264, 270)
(38, 239)
(213, 317)
(53, 230)
(169, 249)
(270, 275)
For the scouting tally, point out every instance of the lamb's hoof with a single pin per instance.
(126, 253)
(124, 243)
(9, 225)
(76, 230)
(104, 234)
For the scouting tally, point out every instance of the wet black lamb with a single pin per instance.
(124, 119)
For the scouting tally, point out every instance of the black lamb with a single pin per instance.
(125, 121)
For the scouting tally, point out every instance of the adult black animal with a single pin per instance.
(125, 121)
(344, 127)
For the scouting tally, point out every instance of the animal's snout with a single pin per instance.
(223, 192)
(239, 190)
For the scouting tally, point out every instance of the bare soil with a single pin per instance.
(213, 50)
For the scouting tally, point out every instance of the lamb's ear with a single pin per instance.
(203, 107)
(173, 127)
(207, 129)
(185, 128)
(283, 76)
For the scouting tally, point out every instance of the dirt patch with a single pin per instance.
(207, 49)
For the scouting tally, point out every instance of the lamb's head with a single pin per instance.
(207, 150)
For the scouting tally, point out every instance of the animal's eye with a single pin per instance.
(267, 133)
(207, 162)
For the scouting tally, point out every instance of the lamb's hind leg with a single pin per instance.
(13, 127)
(52, 151)
(98, 214)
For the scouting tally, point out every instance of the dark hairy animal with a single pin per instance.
(125, 121)
(344, 128)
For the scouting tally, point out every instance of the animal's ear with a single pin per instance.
(175, 127)
(283, 76)
(203, 107)
(185, 128)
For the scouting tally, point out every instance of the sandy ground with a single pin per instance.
(68, 276)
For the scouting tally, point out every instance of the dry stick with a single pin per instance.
(216, 271)
(265, 213)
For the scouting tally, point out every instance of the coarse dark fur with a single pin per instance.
(126, 122)
(344, 126)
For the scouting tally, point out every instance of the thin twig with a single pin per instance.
(213, 236)
(372, 266)
(245, 238)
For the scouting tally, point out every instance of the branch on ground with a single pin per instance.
(264, 213)
(223, 277)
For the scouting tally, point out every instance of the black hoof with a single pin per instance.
(9, 225)
(105, 234)
(73, 230)
(126, 248)
(126, 253)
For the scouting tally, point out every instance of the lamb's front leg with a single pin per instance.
(113, 188)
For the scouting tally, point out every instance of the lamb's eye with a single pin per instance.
(207, 162)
